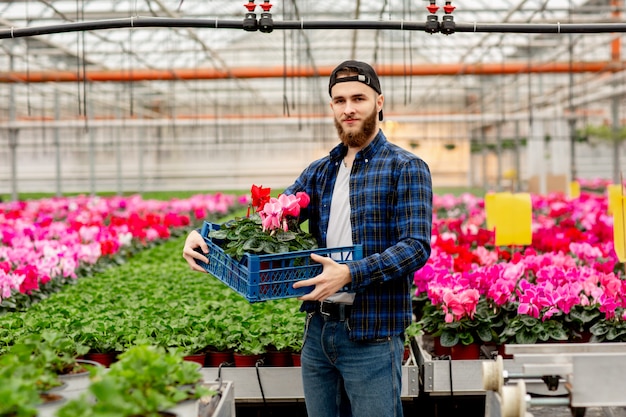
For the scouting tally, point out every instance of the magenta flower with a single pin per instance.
(271, 215)
(48, 238)
(459, 305)
(290, 205)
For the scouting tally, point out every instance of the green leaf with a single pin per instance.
(449, 338)
(285, 236)
(254, 244)
(525, 338)
(484, 333)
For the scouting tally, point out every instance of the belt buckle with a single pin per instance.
(324, 313)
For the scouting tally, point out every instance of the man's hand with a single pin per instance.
(334, 277)
(193, 242)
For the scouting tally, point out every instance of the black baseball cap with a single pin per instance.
(366, 75)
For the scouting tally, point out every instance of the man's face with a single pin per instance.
(356, 107)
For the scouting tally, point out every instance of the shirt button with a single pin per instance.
(367, 160)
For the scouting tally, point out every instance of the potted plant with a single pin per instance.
(59, 354)
(430, 320)
(461, 322)
(525, 329)
(249, 350)
(279, 348)
(283, 333)
(52, 350)
(270, 227)
(192, 344)
(218, 351)
(580, 320)
(23, 386)
(146, 381)
(610, 329)
(296, 349)
(103, 339)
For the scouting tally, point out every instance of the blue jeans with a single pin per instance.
(342, 378)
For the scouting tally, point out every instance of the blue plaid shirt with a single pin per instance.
(391, 216)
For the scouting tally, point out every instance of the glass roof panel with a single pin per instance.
(220, 71)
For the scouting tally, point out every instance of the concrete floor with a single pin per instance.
(566, 412)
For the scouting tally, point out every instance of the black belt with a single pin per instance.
(334, 311)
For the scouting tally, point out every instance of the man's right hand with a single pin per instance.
(194, 242)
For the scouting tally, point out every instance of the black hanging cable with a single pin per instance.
(357, 13)
(27, 58)
(296, 85)
(297, 39)
(84, 71)
(377, 35)
(216, 115)
(172, 94)
(387, 50)
(196, 96)
(501, 92)
(529, 92)
(82, 65)
(407, 47)
(285, 100)
(43, 121)
(483, 131)
(131, 89)
(78, 85)
(570, 98)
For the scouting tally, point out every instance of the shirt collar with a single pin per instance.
(339, 151)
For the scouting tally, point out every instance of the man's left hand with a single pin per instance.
(334, 277)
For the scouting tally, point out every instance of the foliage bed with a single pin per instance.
(155, 299)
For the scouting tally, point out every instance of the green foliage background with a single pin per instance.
(155, 298)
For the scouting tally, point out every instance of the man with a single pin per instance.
(366, 191)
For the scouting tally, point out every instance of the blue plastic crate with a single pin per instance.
(269, 277)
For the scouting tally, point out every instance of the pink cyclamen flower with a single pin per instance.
(461, 304)
(271, 215)
(304, 199)
(290, 204)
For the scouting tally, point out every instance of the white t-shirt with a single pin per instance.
(339, 227)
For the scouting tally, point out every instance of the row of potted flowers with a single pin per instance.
(568, 285)
(155, 299)
(45, 243)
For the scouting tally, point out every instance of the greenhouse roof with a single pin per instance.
(191, 59)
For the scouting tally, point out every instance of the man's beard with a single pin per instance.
(360, 138)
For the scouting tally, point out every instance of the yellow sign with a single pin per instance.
(511, 217)
(615, 192)
(574, 189)
(489, 210)
(618, 227)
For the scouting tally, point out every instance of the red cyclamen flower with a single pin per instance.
(260, 196)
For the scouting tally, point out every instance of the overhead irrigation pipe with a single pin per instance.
(250, 24)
